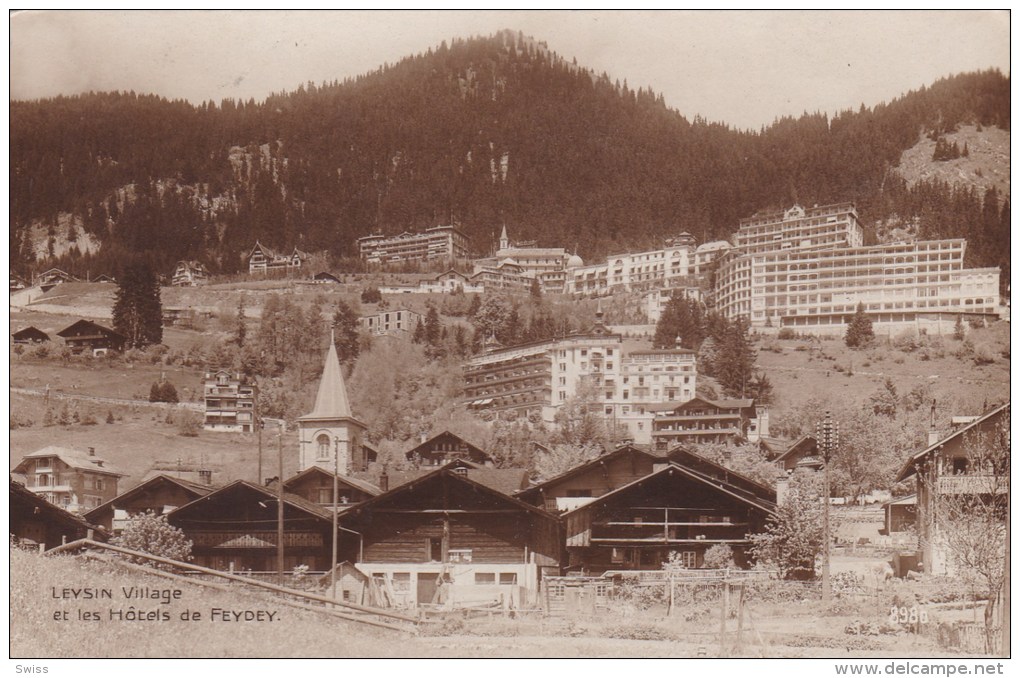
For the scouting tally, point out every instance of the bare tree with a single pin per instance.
(967, 516)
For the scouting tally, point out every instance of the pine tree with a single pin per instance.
(432, 327)
(241, 329)
(345, 334)
(735, 360)
(536, 289)
(137, 310)
(419, 332)
(859, 332)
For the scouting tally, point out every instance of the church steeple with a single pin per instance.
(330, 429)
(331, 402)
(504, 240)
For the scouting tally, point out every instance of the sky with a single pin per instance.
(742, 68)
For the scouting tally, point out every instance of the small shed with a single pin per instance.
(30, 335)
(900, 514)
(352, 584)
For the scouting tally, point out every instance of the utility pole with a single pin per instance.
(279, 505)
(336, 492)
(828, 442)
(260, 479)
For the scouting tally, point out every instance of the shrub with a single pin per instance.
(189, 424)
(163, 392)
(109, 417)
(787, 333)
(152, 534)
(88, 419)
(984, 354)
(637, 632)
(41, 351)
(719, 556)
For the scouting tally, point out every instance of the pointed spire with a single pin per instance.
(331, 402)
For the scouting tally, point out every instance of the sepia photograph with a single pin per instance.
(510, 334)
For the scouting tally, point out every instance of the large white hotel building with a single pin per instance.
(538, 378)
(808, 269)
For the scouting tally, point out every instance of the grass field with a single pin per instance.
(802, 369)
(142, 437)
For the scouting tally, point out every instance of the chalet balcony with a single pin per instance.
(670, 526)
(972, 484)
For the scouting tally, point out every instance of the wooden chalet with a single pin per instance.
(594, 478)
(446, 527)
(17, 283)
(51, 278)
(701, 420)
(103, 278)
(236, 527)
(159, 495)
(33, 520)
(30, 335)
(445, 447)
(86, 335)
(325, 278)
(803, 453)
(315, 484)
(262, 259)
(189, 273)
(674, 509)
(945, 467)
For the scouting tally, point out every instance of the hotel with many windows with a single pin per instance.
(807, 270)
(539, 378)
(438, 242)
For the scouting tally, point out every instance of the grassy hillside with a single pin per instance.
(943, 368)
(986, 165)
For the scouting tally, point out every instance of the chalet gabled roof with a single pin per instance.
(53, 512)
(196, 489)
(805, 440)
(680, 453)
(714, 483)
(331, 402)
(505, 480)
(725, 404)
(363, 485)
(31, 332)
(293, 500)
(410, 453)
(76, 459)
(447, 470)
(89, 325)
(581, 468)
(910, 467)
(266, 251)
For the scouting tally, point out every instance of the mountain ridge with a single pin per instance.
(483, 132)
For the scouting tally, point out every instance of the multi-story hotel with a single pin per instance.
(808, 270)
(640, 270)
(919, 284)
(538, 378)
(548, 265)
(438, 242)
(229, 402)
(799, 228)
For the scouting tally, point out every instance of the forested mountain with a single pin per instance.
(483, 132)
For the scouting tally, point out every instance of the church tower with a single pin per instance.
(504, 240)
(330, 430)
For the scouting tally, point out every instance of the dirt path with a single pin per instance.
(62, 395)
